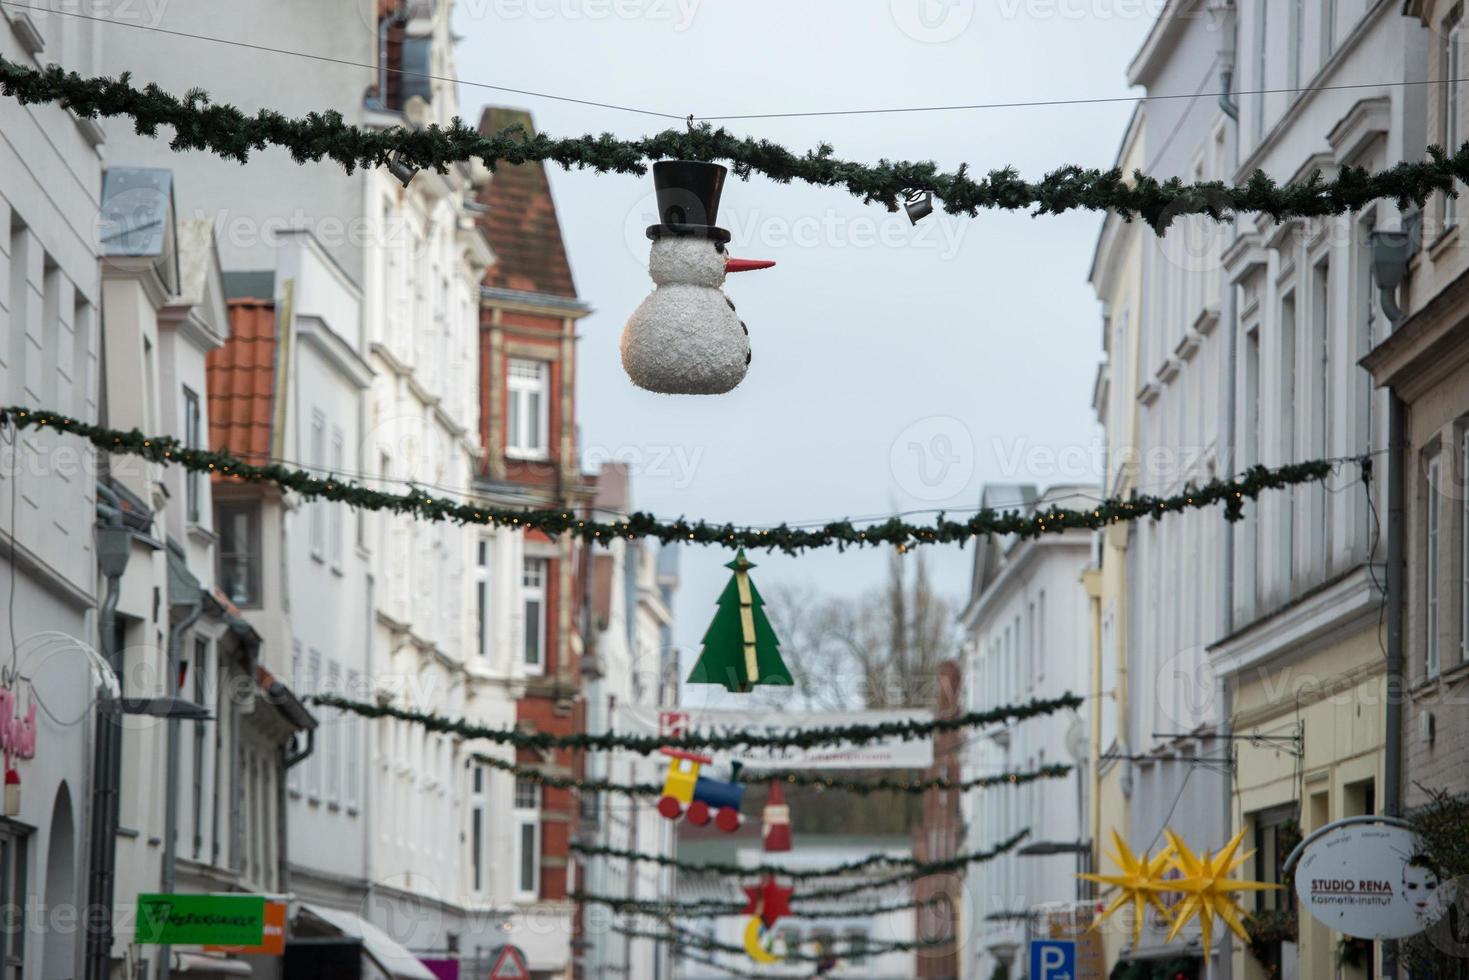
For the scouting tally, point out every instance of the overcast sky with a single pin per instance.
(893, 368)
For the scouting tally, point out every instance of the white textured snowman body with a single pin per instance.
(685, 339)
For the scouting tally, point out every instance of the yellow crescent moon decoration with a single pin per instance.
(757, 952)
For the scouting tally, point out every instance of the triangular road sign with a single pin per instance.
(509, 965)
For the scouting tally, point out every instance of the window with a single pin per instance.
(527, 416)
(1320, 418)
(478, 824)
(316, 509)
(1432, 504)
(1464, 556)
(336, 529)
(1453, 98)
(1288, 431)
(201, 697)
(1297, 45)
(527, 839)
(335, 723)
(238, 524)
(482, 597)
(1272, 829)
(13, 892)
(313, 761)
(1260, 57)
(533, 582)
(352, 732)
(193, 439)
(1328, 28)
(857, 946)
(298, 683)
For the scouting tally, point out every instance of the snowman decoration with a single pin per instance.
(685, 339)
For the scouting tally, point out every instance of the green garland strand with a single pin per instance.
(728, 970)
(902, 731)
(686, 940)
(673, 910)
(199, 124)
(915, 868)
(839, 534)
(860, 787)
(908, 870)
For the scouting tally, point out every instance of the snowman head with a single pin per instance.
(688, 260)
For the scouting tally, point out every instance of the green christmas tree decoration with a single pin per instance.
(740, 647)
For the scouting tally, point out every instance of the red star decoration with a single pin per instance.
(768, 900)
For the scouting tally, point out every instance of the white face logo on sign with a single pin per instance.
(1372, 881)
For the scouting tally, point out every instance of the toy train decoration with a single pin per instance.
(688, 794)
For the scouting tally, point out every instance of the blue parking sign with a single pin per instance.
(1052, 959)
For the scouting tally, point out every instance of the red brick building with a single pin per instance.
(939, 836)
(529, 311)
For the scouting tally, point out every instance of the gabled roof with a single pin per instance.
(520, 222)
(241, 378)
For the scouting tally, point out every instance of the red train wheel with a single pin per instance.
(698, 813)
(728, 819)
(670, 807)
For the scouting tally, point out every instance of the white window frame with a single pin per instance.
(524, 378)
(314, 760)
(316, 509)
(336, 525)
(352, 732)
(193, 439)
(1432, 514)
(1453, 100)
(334, 730)
(527, 815)
(533, 579)
(484, 557)
(477, 837)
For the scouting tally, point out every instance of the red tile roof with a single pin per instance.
(521, 224)
(241, 378)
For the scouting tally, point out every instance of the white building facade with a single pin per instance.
(1026, 634)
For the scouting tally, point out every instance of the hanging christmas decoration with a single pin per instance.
(776, 821)
(687, 793)
(768, 901)
(757, 938)
(1207, 888)
(740, 646)
(1137, 885)
(685, 339)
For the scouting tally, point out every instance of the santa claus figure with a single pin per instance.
(685, 339)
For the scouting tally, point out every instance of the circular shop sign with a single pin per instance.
(1372, 881)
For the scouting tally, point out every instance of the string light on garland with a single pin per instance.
(790, 540)
(680, 939)
(199, 124)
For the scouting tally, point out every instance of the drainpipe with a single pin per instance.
(290, 759)
(1391, 251)
(168, 878)
(1224, 16)
(113, 548)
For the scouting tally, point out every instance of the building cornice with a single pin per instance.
(1338, 609)
(1428, 346)
(528, 302)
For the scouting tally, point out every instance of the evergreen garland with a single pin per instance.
(791, 540)
(860, 787)
(908, 870)
(916, 868)
(199, 124)
(667, 910)
(903, 731)
(687, 940)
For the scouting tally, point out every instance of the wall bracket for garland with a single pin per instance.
(686, 339)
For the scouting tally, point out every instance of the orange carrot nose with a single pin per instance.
(746, 265)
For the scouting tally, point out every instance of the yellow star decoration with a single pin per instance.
(1207, 888)
(1139, 882)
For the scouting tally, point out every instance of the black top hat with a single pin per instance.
(688, 199)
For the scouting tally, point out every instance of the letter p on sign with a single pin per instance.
(1052, 959)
